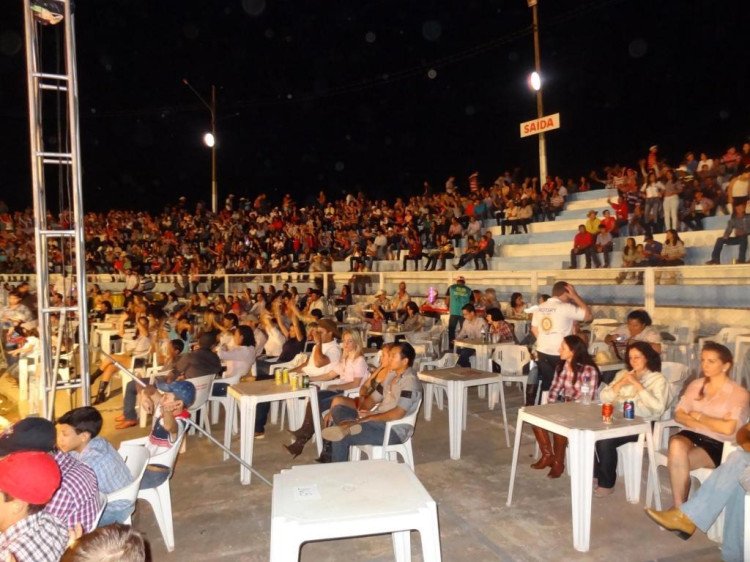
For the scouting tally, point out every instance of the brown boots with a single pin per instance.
(553, 454)
(302, 435)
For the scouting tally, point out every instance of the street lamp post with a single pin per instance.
(210, 140)
(537, 86)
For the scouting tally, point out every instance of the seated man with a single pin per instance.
(28, 480)
(396, 397)
(583, 243)
(485, 249)
(77, 500)
(415, 253)
(740, 225)
(78, 434)
(724, 489)
(471, 329)
(170, 411)
(326, 352)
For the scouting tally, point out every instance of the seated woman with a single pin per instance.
(377, 324)
(641, 382)
(351, 371)
(637, 328)
(500, 330)
(575, 367)
(673, 250)
(712, 409)
(517, 308)
(139, 346)
(470, 252)
(414, 320)
(238, 359)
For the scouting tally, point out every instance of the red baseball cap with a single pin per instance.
(30, 476)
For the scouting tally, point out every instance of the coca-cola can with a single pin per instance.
(607, 410)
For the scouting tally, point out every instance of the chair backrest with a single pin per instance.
(511, 358)
(409, 419)
(676, 374)
(202, 391)
(726, 336)
(448, 360)
(169, 457)
(136, 458)
(102, 507)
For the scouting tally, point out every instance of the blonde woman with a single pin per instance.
(351, 371)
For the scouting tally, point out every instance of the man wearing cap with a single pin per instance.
(28, 480)
(170, 411)
(326, 351)
(458, 295)
(77, 499)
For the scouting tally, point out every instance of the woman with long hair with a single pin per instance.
(673, 250)
(711, 410)
(351, 371)
(642, 383)
(516, 308)
(575, 367)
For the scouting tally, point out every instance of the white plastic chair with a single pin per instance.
(203, 386)
(741, 371)
(653, 489)
(602, 327)
(102, 507)
(386, 450)
(136, 458)
(447, 361)
(511, 359)
(160, 498)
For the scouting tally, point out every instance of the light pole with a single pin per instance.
(537, 85)
(209, 139)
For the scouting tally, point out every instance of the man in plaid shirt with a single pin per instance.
(27, 533)
(77, 500)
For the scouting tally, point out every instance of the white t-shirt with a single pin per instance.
(275, 342)
(331, 350)
(554, 320)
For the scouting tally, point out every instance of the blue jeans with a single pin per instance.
(372, 434)
(115, 515)
(153, 478)
(723, 490)
(129, 399)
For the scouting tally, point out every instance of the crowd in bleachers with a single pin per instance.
(258, 236)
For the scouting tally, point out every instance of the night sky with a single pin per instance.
(377, 95)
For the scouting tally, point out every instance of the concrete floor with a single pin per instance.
(216, 518)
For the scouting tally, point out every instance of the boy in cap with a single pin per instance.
(77, 500)
(78, 434)
(170, 414)
(28, 480)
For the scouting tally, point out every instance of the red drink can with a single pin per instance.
(607, 410)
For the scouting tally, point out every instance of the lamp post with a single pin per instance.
(209, 139)
(536, 84)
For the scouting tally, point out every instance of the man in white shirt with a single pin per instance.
(552, 321)
(326, 352)
(470, 330)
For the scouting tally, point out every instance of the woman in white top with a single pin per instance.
(141, 344)
(238, 358)
(653, 190)
(351, 371)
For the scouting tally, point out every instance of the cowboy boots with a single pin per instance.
(101, 394)
(307, 429)
(560, 443)
(542, 437)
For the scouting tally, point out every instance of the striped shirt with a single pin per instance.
(77, 499)
(35, 538)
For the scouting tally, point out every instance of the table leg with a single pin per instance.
(228, 423)
(505, 412)
(428, 390)
(455, 412)
(401, 546)
(316, 419)
(652, 468)
(464, 409)
(284, 546)
(243, 438)
(429, 534)
(514, 462)
(291, 414)
(581, 444)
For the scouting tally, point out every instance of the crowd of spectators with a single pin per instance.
(258, 236)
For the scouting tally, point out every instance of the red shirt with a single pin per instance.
(621, 210)
(609, 222)
(583, 240)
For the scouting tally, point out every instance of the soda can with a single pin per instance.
(607, 410)
(628, 410)
(293, 381)
(285, 376)
(277, 376)
(305, 381)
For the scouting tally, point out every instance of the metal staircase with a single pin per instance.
(59, 237)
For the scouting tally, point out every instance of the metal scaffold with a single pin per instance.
(63, 363)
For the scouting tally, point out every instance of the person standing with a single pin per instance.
(458, 295)
(551, 322)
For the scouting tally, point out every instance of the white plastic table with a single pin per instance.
(389, 336)
(583, 426)
(249, 395)
(349, 499)
(455, 380)
(483, 350)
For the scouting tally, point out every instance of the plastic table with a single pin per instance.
(483, 349)
(249, 395)
(349, 499)
(455, 380)
(583, 426)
